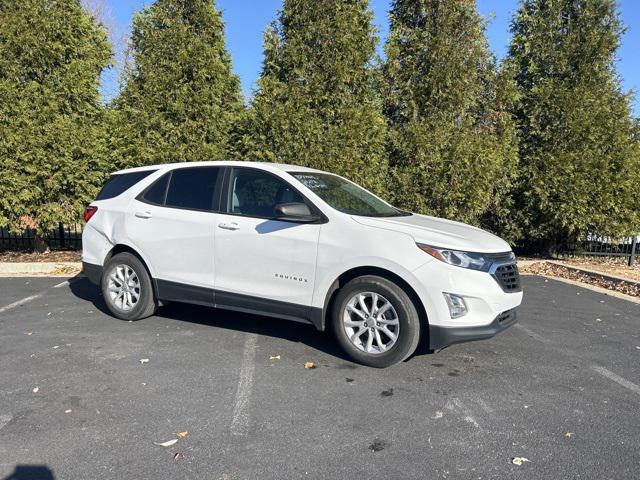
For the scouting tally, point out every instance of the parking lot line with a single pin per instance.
(240, 420)
(616, 378)
(532, 334)
(33, 297)
(20, 302)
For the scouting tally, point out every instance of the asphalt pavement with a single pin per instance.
(561, 390)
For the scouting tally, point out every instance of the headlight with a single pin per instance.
(475, 261)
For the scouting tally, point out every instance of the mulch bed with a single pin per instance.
(553, 270)
(51, 256)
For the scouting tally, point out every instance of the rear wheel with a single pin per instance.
(127, 288)
(375, 321)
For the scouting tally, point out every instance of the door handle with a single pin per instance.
(143, 214)
(229, 226)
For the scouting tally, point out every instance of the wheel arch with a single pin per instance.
(360, 271)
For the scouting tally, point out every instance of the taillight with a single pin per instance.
(88, 213)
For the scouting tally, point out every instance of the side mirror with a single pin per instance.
(295, 212)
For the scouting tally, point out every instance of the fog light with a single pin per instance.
(457, 305)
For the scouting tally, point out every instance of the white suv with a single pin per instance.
(300, 244)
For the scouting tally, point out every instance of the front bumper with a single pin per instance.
(92, 272)
(441, 337)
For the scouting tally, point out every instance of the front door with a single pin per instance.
(256, 256)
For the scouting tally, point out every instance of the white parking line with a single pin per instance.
(532, 334)
(32, 297)
(617, 378)
(240, 420)
(20, 302)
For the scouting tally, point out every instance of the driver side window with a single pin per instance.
(254, 193)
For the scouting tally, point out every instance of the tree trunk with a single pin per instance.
(40, 245)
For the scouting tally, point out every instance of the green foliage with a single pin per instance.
(580, 160)
(317, 104)
(180, 101)
(51, 156)
(451, 142)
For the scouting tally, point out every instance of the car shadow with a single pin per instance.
(288, 330)
(31, 472)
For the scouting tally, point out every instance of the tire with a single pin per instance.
(127, 307)
(401, 318)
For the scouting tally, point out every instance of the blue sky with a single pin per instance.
(246, 20)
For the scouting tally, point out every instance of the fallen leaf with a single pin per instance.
(568, 434)
(144, 360)
(68, 410)
(309, 365)
(182, 434)
(178, 456)
(35, 390)
(519, 460)
(274, 357)
(168, 443)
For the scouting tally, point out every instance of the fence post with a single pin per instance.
(61, 233)
(632, 257)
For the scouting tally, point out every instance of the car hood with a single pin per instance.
(439, 232)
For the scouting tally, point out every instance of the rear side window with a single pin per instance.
(120, 183)
(192, 188)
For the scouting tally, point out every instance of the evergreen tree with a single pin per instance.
(580, 160)
(180, 101)
(451, 143)
(51, 56)
(316, 103)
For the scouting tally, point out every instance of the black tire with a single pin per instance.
(145, 306)
(407, 315)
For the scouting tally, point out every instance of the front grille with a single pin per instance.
(508, 277)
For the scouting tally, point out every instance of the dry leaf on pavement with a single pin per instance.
(182, 434)
(274, 357)
(519, 460)
(178, 456)
(168, 443)
(309, 365)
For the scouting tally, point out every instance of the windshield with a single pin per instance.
(345, 196)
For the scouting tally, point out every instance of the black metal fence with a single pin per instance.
(62, 237)
(604, 246)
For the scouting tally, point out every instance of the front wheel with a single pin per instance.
(375, 321)
(127, 288)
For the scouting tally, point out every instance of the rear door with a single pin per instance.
(257, 256)
(172, 222)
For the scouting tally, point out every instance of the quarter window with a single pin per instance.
(192, 188)
(255, 193)
(155, 194)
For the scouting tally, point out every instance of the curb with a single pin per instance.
(53, 269)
